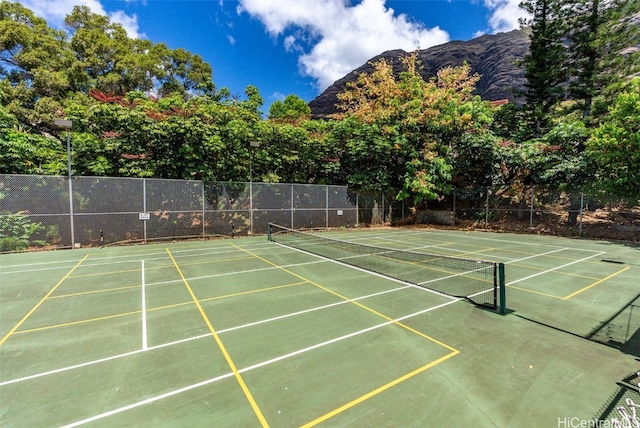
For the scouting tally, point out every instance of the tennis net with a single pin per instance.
(475, 280)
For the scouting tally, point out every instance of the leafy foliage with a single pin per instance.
(402, 130)
(292, 109)
(544, 64)
(16, 230)
(615, 147)
(27, 153)
(140, 109)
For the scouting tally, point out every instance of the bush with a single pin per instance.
(16, 230)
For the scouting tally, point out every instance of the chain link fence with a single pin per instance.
(38, 210)
(541, 209)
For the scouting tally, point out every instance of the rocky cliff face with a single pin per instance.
(492, 56)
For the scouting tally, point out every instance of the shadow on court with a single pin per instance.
(622, 330)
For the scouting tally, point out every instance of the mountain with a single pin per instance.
(494, 57)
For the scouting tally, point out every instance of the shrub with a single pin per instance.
(16, 230)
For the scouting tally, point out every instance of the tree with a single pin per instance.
(400, 131)
(602, 40)
(109, 61)
(41, 68)
(565, 165)
(614, 147)
(292, 109)
(27, 153)
(34, 60)
(510, 122)
(545, 64)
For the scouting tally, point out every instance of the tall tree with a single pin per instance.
(108, 60)
(401, 130)
(34, 60)
(544, 65)
(27, 153)
(292, 109)
(602, 44)
(614, 147)
(41, 68)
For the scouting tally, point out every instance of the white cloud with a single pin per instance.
(504, 14)
(129, 23)
(290, 43)
(278, 96)
(54, 12)
(340, 36)
(478, 34)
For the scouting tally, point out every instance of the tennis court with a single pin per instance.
(250, 332)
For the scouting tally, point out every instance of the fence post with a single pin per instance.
(454, 207)
(326, 206)
(204, 231)
(533, 191)
(144, 209)
(403, 209)
(357, 210)
(73, 233)
(486, 209)
(291, 207)
(581, 213)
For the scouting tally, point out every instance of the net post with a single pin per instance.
(503, 289)
(268, 231)
(495, 286)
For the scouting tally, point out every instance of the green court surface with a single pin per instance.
(247, 332)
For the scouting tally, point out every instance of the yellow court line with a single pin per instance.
(373, 311)
(83, 293)
(475, 252)
(243, 293)
(227, 357)
(535, 292)
(116, 272)
(595, 283)
(15, 327)
(541, 269)
(574, 293)
(386, 386)
(175, 305)
(155, 268)
(67, 324)
(377, 391)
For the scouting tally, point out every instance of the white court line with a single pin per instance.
(370, 272)
(330, 305)
(249, 368)
(144, 312)
(127, 354)
(508, 241)
(555, 268)
(217, 275)
(535, 255)
(102, 360)
(127, 259)
(149, 400)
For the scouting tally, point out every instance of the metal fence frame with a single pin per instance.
(106, 210)
(545, 209)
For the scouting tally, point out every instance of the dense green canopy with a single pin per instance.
(140, 109)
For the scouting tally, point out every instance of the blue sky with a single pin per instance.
(293, 46)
